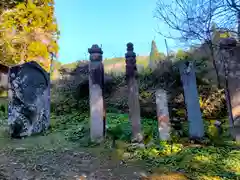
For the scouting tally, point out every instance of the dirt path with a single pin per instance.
(52, 158)
(65, 165)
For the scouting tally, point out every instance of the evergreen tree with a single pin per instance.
(154, 55)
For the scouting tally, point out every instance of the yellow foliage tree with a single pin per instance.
(28, 32)
(182, 55)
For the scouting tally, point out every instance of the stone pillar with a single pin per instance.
(188, 78)
(96, 80)
(133, 94)
(29, 106)
(164, 126)
(230, 55)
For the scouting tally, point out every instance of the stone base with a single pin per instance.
(235, 133)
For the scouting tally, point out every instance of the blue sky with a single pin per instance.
(111, 24)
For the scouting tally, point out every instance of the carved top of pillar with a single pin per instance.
(228, 43)
(186, 66)
(130, 46)
(95, 53)
(131, 68)
(130, 53)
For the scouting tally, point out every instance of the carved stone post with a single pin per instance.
(163, 115)
(188, 78)
(133, 94)
(96, 80)
(230, 55)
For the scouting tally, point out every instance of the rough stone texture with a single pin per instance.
(96, 81)
(133, 94)
(29, 99)
(164, 126)
(228, 65)
(188, 78)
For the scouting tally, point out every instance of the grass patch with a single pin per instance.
(206, 161)
(195, 162)
(199, 162)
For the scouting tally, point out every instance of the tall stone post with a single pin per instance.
(133, 94)
(96, 94)
(188, 78)
(230, 55)
(163, 114)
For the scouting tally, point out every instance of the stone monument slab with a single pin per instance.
(29, 99)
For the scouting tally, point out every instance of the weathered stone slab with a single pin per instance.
(164, 126)
(188, 78)
(29, 99)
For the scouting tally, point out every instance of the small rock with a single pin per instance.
(181, 170)
(20, 149)
(142, 174)
(82, 177)
(126, 155)
(75, 154)
(141, 145)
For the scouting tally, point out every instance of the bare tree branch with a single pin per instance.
(192, 20)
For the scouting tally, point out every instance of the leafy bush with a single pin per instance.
(199, 162)
(212, 102)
